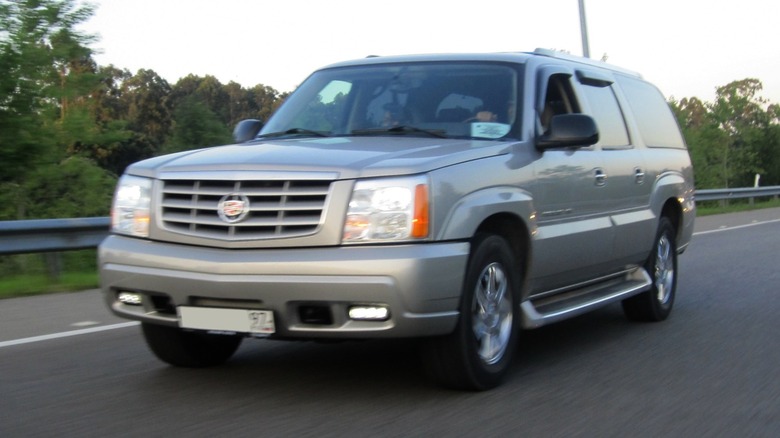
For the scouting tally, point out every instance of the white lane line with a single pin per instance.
(84, 323)
(66, 334)
(736, 227)
(134, 323)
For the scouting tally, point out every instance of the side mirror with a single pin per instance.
(246, 130)
(568, 130)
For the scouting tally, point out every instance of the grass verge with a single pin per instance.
(713, 207)
(31, 284)
(35, 283)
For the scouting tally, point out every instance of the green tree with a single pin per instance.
(39, 54)
(266, 100)
(205, 99)
(145, 96)
(734, 138)
(48, 82)
(769, 150)
(739, 111)
(74, 187)
(707, 143)
(104, 137)
(207, 90)
(196, 126)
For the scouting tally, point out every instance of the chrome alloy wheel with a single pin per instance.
(492, 313)
(664, 269)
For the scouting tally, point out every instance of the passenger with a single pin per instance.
(395, 115)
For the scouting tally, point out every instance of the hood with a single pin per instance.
(344, 157)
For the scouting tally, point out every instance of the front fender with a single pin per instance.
(469, 212)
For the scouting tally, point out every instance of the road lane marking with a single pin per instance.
(84, 323)
(135, 323)
(66, 334)
(735, 227)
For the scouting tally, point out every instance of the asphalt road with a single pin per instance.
(70, 369)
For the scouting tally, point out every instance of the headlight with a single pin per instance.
(393, 209)
(130, 212)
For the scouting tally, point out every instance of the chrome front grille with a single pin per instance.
(276, 208)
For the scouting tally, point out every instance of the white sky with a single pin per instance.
(686, 47)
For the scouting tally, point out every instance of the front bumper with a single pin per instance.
(420, 284)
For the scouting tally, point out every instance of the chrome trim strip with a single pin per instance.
(639, 279)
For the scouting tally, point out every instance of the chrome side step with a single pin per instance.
(547, 310)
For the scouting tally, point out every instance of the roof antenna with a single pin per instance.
(584, 30)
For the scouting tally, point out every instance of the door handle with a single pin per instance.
(601, 178)
(639, 175)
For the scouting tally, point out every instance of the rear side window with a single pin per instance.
(655, 120)
(606, 112)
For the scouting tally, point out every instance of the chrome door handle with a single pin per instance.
(639, 175)
(601, 178)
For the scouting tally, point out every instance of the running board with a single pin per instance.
(543, 311)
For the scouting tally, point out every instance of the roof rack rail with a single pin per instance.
(588, 61)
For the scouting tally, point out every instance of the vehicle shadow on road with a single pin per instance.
(389, 366)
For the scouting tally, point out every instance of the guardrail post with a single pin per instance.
(53, 266)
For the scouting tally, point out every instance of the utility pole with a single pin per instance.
(584, 30)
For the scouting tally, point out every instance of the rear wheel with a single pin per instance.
(189, 349)
(656, 303)
(478, 353)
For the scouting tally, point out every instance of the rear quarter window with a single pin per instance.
(656, 123)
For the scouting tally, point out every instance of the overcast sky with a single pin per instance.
(686, 47)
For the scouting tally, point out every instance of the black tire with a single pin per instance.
(656, 304)
(189, 349)
(478, 354)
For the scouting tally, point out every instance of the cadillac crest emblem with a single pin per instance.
(233, 208)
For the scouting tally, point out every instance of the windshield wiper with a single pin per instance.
(400, 130)
(292, 131)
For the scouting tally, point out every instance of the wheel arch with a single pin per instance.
(673, 199)
(516, 233)
(672, 210)
(506, 211)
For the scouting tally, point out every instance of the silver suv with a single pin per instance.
(459, 198)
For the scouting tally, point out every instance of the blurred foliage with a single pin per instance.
(734, 138)
(734, 206)
(69, 127)
(28, 274)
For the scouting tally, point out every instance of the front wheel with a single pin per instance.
(477, 355)
(656, 303)
(189, 349)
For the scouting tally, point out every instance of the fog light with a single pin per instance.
(369, 313)
(131, 298)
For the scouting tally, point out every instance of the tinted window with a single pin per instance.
(609, 119)
(655, 120)
(559, 99)
(471, 100)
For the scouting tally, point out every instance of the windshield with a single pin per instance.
(442, 99)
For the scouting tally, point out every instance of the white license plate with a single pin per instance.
(228, 320)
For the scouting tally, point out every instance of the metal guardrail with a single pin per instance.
(741, 193)
(47, 235)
